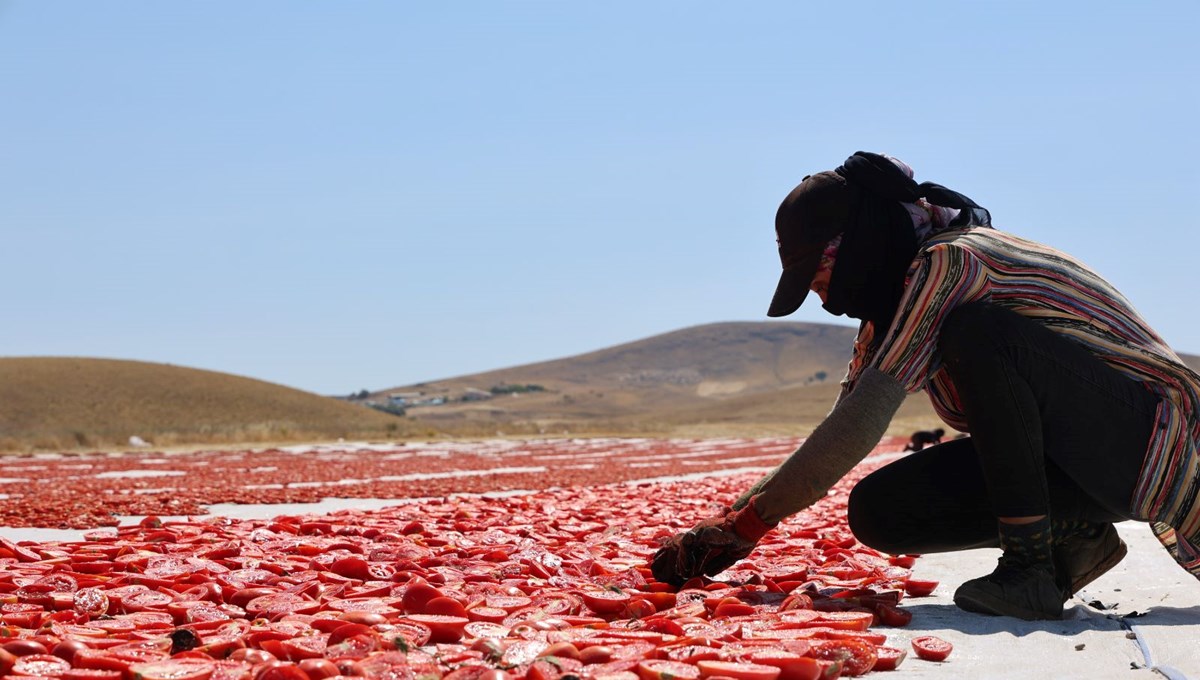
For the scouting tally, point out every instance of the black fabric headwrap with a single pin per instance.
(879, 242)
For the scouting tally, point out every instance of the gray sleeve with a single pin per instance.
(856, 424)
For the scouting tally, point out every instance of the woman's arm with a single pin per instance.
(845, 437)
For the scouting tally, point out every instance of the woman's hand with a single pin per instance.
(710, 547)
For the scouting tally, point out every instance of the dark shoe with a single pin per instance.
(1079, 561)
(1016, 590)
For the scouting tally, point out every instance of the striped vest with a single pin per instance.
(1039, 282)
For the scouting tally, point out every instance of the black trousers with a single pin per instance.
(1054, 430)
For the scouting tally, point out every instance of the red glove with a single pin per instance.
(710, 547)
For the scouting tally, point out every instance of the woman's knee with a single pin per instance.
(871, 513)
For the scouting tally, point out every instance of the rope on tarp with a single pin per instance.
(1169, 672)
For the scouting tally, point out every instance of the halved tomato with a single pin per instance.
(44, 665)
(892, 616)
(664, 669)
(606, 601)
(738, 670)
(889, 659)
(280, 670)
(417, 595)
(173, 669)
(857, 657)
(445, 606)
(847, 620)
(91, 674)
(692, 653)
(919, 587)
(932, 648)
(441, 628)
(792, 666)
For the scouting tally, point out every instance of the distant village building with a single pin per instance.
(473, 394)
(404, 398)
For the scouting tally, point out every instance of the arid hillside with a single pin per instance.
(712, 380)
(722, 378)
(70, 403)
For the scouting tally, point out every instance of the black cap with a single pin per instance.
(811, 216)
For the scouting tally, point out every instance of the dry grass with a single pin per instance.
(52, 403)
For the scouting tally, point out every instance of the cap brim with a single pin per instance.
(793, 286)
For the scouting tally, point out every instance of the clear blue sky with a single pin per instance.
(339, 195)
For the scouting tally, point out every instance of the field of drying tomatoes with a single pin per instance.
(548, 584)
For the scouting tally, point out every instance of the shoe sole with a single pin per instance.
(1111, 560)
(980, 603)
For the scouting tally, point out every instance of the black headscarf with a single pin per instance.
(879, 242)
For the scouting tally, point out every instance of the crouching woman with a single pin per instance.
(1079, 414)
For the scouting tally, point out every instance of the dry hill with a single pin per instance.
(716, 379)
(722, 378)
(53, 403)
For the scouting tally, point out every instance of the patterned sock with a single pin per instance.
(1028, 545)
(1075, 528)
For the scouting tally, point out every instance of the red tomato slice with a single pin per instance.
(551, 668)
(489, 614)
(146, 600)
(485, 629)
(632, 649)
(866, 636)
(846, 620)
(45, 665)
(692, 653)
(857, 657)
(406, 635)
(889, 659)
(281, 670)
(445, 606)
(442, 628)
(737, 670)
(523, 652)
(661, 624)
(606, 601)
(919, 588)
(91, 674)
(473, 671)
(931, 648)
(25, 647)
(791, 666)
(595, 654)
(173, 669)
(417, 595)
(798, 616)
(304, 647)
(318, 669)
(99, 660)
(733, 607)
(347, 630)
(892, 616)
(112, 626)
(352, 567)
(353, 647)
(143, 650)
(221, 646)
(663, 669)
(508, 603)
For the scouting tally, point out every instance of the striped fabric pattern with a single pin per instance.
(1042, 283)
